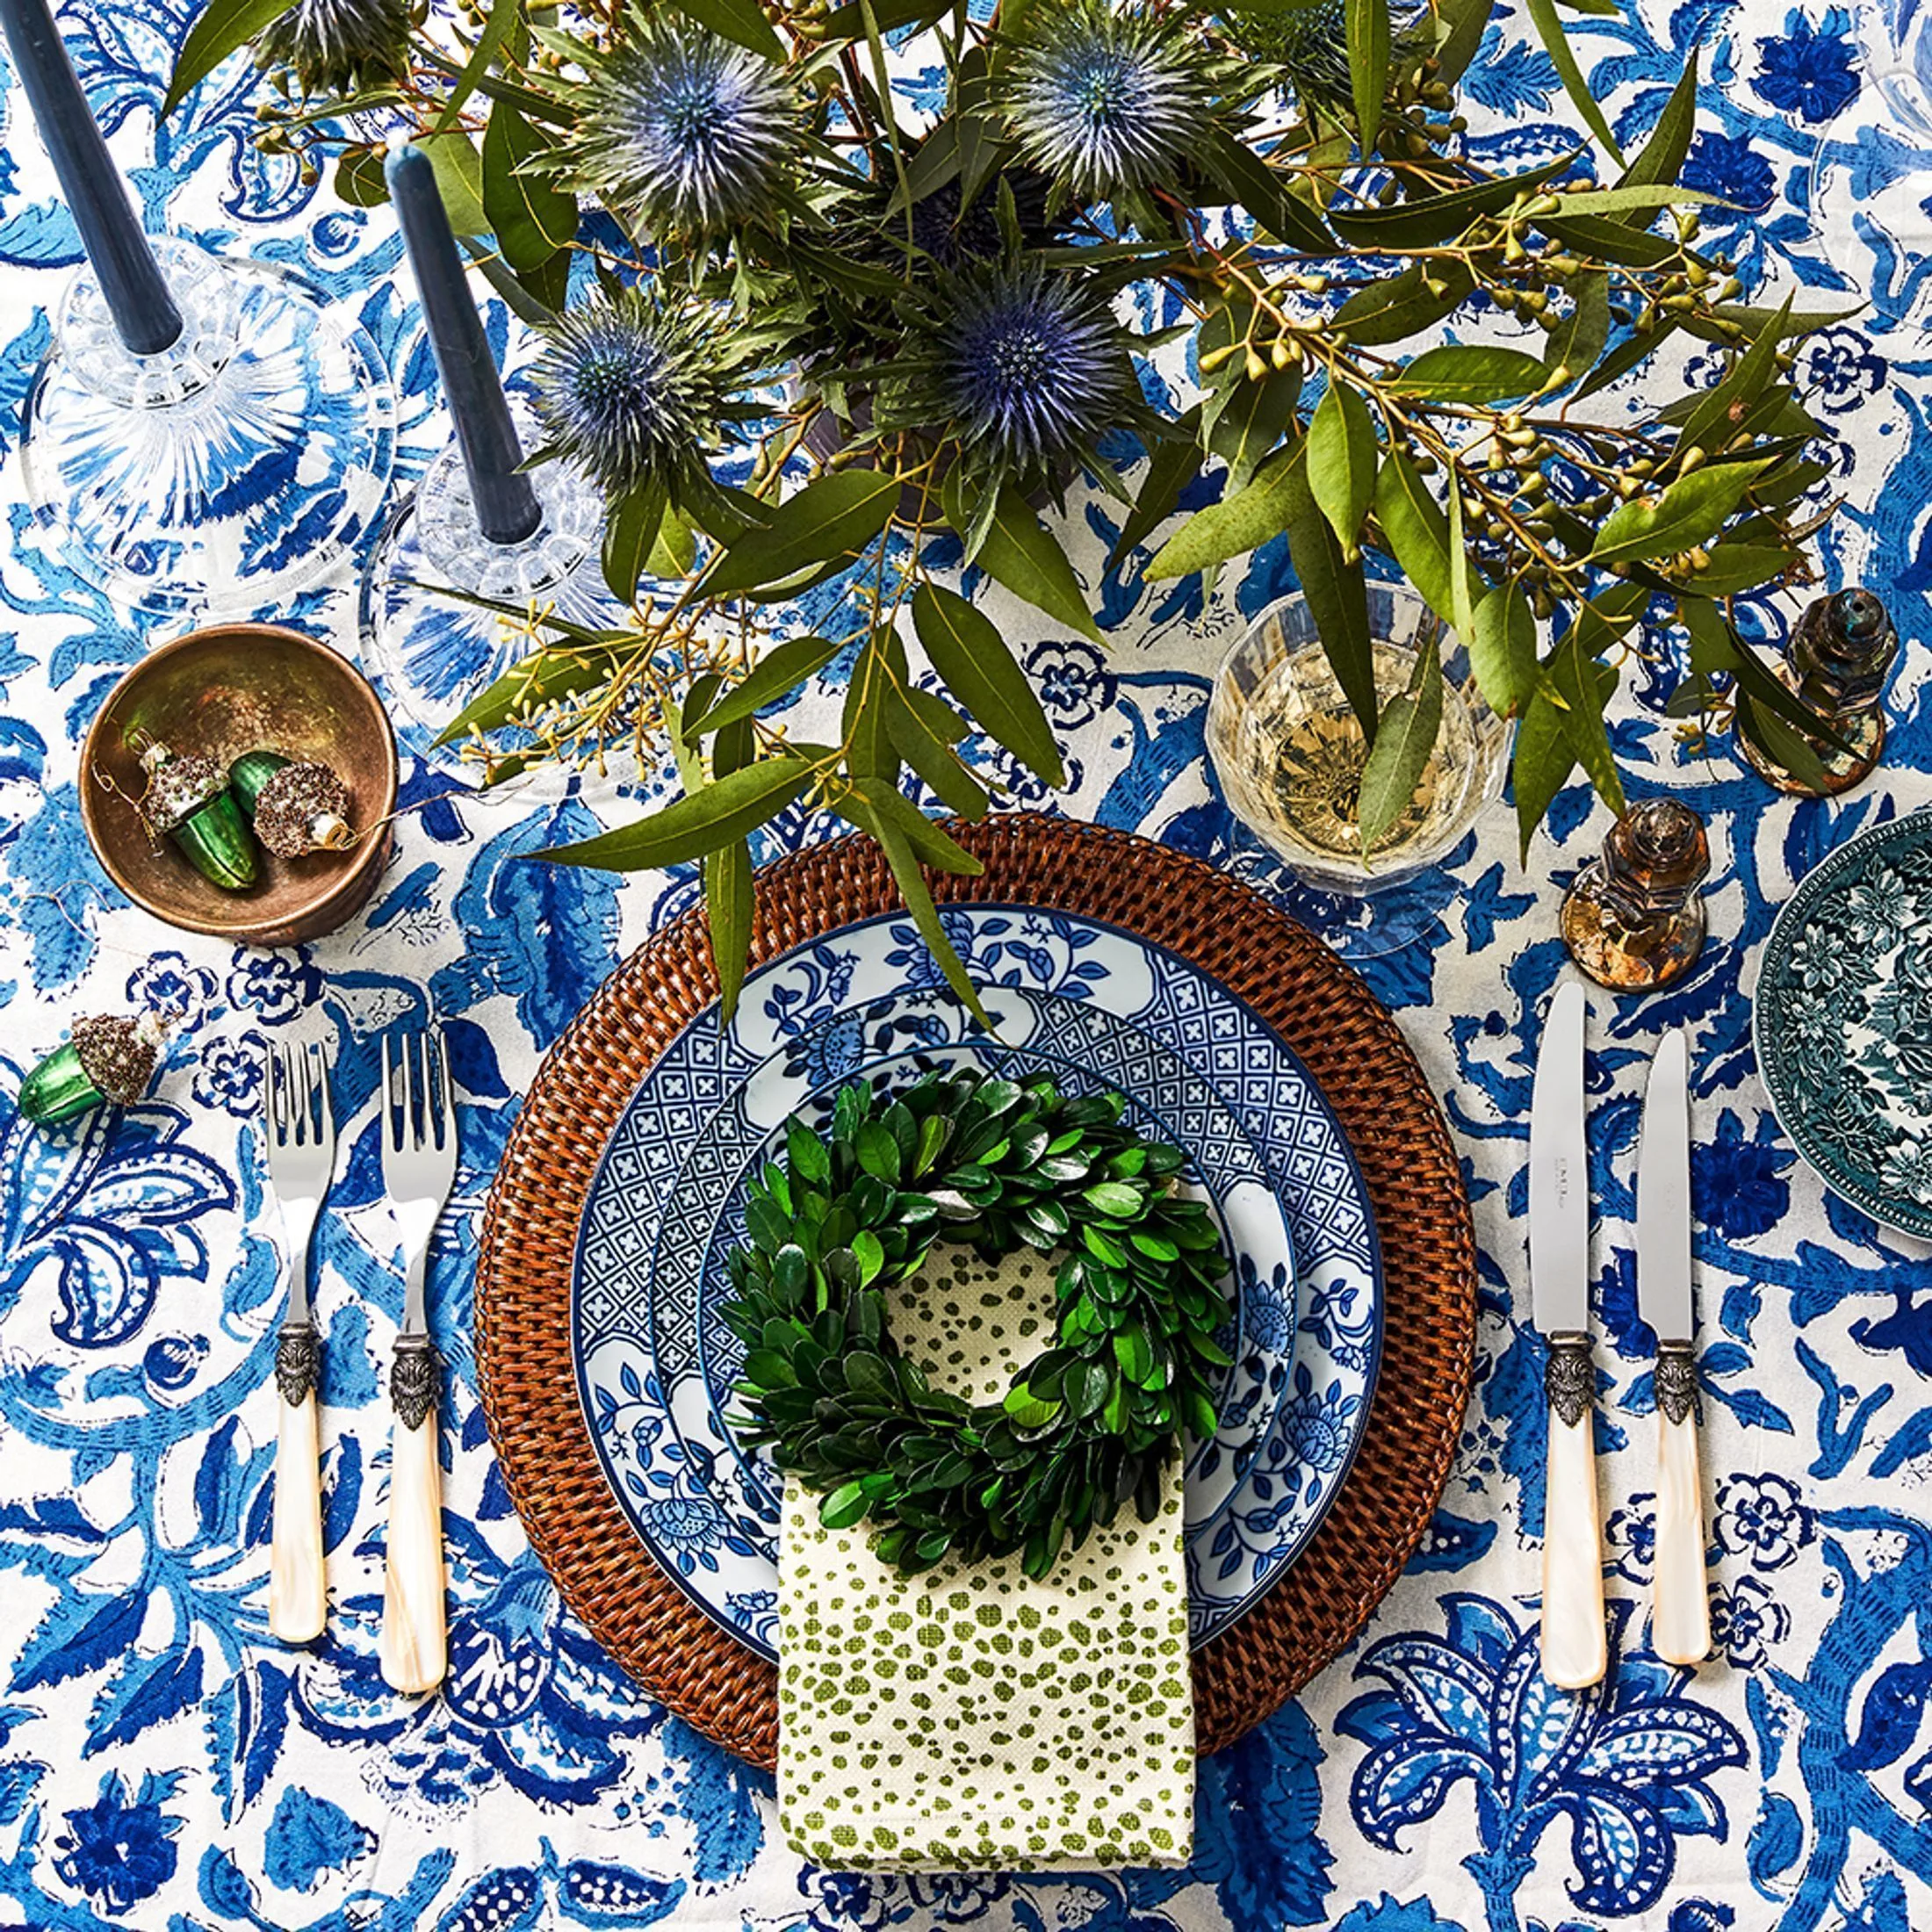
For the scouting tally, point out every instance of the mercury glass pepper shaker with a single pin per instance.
(1635, 919)
(1842, 651)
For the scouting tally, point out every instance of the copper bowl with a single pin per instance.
(232, 688)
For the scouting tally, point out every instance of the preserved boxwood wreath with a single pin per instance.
(1086, 1425)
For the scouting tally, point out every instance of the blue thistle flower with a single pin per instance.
(1030, 368)
(1107, 101)
(338, 46)
(684, 130)
(633, 391)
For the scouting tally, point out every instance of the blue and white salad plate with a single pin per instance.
(1095, 1008)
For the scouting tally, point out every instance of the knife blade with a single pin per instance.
(1574, 1644)
(1680, 1616)
(1559, 1173)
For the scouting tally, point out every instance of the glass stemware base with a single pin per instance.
(228, 472)
(434, 653)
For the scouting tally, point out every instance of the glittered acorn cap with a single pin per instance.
(179, 786)
(118, 1054)
(303, 808)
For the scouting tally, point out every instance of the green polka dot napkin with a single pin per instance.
(972, 1718)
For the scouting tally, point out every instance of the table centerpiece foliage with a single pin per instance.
(798, 337)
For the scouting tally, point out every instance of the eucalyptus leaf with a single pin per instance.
(833, 516)
(1502, 650)
(1414, 529)
(780, 670)
(970, 654)
(743, 21)
(1549, 30)
(1341, 463)
(1665, 153)
(1402, 750)
(1400, 305)
(1691, 510)
(719, 815)
(1424, 222)
(1250, 423)
(533, 219)
(1541, 765)
(631, 534)
(221, 28)
(1173, 463)
(1337, 593)
(1469, 372)
(1237, 523)
(1016, 551)
(1366, 22)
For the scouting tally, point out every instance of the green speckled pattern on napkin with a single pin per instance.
(972, 1717)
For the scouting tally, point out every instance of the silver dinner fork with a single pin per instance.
(418, 1169)
(301, 1137)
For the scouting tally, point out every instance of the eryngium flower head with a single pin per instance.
(338, 46)
(1103, 100)
(1030, 368)
(633, 391)
(684, 130)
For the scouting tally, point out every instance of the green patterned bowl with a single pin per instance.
(1843, 1020)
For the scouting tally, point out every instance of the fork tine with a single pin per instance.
(419, 1098)
(325, 1103)
(449, 1092)
(271, 1093)
(291, 1120)
(311, 1082)
(391, 1136)
(298, 1068)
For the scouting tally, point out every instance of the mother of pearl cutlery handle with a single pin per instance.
(1680, 1613)
(1575, 1645)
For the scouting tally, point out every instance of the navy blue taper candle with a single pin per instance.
(145, 316)
(506, 509)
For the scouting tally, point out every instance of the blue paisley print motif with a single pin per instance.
(165, 1766)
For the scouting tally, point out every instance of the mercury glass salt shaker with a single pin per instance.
(1842, 651)
(1635, 919)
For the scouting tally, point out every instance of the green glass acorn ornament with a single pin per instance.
(295, 806)
(188, 800)
(108, 1060)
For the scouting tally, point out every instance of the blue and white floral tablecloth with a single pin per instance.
(164, 1765)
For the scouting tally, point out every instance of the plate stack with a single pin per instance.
(1112, 965)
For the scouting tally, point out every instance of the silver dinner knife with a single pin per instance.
(1575, 1646)
(1680, 1611)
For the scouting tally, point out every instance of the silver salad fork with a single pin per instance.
(418, 1169)
(301, 1137)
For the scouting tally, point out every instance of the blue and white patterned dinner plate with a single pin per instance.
(1083, 1050)
(1843, 1020)
(1086, 999)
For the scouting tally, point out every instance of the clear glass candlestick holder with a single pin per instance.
(227, 472)
(1289, 751)
(433, 651)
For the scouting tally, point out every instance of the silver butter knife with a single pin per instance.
(1575, 1648)
(1680, 1614)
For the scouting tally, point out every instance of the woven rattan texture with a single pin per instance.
(1344, 1036)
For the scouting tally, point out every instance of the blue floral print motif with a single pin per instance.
(1623, 1765)
(121, 1850)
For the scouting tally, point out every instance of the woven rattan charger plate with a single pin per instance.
(1325, 1013)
